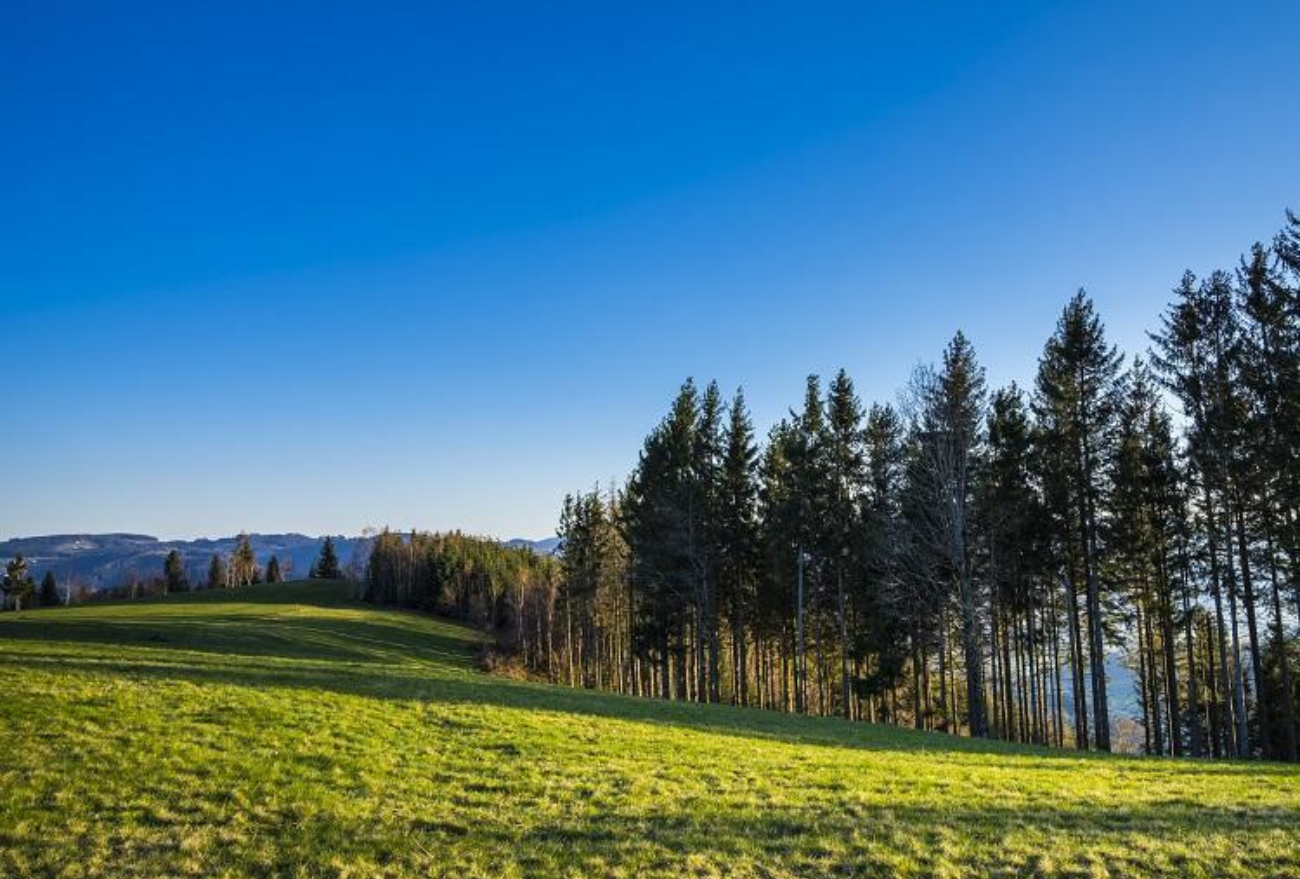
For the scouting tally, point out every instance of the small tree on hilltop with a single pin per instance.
(243, 564)
(18, 584)
(174, 579)
(327, 565)
(49, 590)
(216, 573)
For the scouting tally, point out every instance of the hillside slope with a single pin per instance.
(283, 731)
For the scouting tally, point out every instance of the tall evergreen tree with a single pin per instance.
(1196, 353)
(217, 572)
(888, 623)
(806, 453)
(664, 535)
(273, 574)
(1010, 527)
(243, 563)
(738, 538)
(1079, 390)
(49, 590)
(326, 566)
(174, 578)
(17, 584)
(706, 474)
(846, 473)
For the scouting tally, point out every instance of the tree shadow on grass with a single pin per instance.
(409, 656)
(824, 839)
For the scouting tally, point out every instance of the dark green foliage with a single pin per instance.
(217, 573)
(243, 563)
(273, 574)
(1079, 390)
(49, 590)
(473, 578)
(174, 577)
(326, 566)
(973, 564)
(17, 585)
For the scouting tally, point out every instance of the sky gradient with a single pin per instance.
(318, 267)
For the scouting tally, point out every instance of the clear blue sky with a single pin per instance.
(278, 266)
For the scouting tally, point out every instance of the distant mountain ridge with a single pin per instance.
(545, 546)
(102, 561)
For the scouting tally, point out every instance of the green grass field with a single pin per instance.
(284, 731)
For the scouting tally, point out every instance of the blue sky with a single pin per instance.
(321, 266)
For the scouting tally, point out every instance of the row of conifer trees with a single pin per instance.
(966, 559)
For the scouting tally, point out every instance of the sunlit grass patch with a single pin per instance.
(285, 731)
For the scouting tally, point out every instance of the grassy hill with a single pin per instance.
(283, 731)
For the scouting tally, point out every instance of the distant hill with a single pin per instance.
(545, 546)
(101, 561)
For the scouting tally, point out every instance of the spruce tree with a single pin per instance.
(952, 425)
(706, 476)
(327, 564)
(49, 590)
(888, 621)
(174, 578)
(217, 573)
(17, 584)
(273, 574)
(846, 472)
(1197, 355)
(1009, 520)
(1079, 391)
(806, 453)
(1270, 370)
(664, 536)
(738, 539)
(243, 563)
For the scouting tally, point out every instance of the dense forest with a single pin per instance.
(964, 559)
(473, 578)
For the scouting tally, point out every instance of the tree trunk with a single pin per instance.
(1252, 629)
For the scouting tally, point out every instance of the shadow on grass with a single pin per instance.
(814, 840)
(408, 656)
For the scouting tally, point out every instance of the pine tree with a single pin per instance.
(1078, 396)
(1142, 528)
(664, 536)
(1198, 347)
(326, 566)
(174, 578)
(888, 634)
(806, 453)
(217, 573)
(846, 470)
(738, 539)
(706, 475)
(273, 571)
(243, 563)
(1010, 528)
(950, 438)
(49, 590)
(1270, 371)
(17, 584)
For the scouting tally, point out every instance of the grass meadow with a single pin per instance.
(284, 731)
